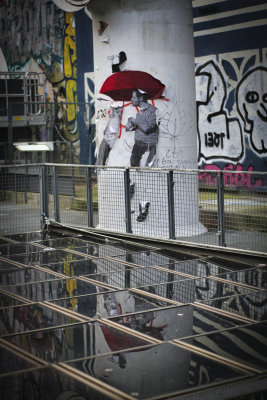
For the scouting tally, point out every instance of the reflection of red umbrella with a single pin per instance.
(117, 340)
(119, 86)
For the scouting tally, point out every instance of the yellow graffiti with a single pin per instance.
(71, 90)
(71, 284)
(70, 74)
(68, 265)
(70, 57)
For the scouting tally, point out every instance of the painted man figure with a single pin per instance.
(146, 129)
(145, 140)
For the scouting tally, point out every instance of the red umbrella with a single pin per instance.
(119, 86)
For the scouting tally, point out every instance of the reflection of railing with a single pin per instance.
(102, 198)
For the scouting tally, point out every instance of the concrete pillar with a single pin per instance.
(157, 37)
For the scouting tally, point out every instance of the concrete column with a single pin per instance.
(157, 37)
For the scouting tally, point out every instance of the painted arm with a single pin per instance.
(146, 122)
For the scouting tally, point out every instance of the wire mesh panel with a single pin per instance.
(186, 205)
(245, 211)
(70, 187)
(208, 211)
(111, 199)
(146, 202)
(19, 199)
(149, 203)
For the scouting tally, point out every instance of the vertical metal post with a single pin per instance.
(10, 136)
(89, 197)
(43, 196)
(128, 219)
(171, 212)
(220, 199)
(127, 273)
(72, 173)
(56, 198)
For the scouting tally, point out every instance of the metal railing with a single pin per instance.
(21, 94)
(157, 203)
(67, 124)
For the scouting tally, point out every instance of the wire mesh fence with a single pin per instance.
(19, 199)
(163, 204)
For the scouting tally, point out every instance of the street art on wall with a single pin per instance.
(251, 99)
(232, 115)
(131, 88)
(219, 136)
(38, 36)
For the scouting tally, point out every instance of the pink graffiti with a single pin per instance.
(245, 180)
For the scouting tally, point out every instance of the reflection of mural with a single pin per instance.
(252, 106)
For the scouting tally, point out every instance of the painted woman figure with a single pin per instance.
(110, 134)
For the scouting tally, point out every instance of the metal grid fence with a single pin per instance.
(164, 204)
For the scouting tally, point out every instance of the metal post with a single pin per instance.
(128, 219)
(220, 199)
(10, 136)
(72, 173)
(127, 273)
(171, 212)
(43, 196)
(56, 198)
(89, 197)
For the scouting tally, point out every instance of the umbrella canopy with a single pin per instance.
(119, 86)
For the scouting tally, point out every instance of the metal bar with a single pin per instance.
(43, 196)
(171, 212)
(89, 197)
(72, 172)
(128, 219)
(10, 136)
(55, 190)
(220, 199)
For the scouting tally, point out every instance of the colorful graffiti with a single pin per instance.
(238, 180)
(232, 116)
(38, 36)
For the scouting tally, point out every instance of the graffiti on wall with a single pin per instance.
(70, 79)
(219, 136)
(232, 115)
(251, 99)
(38, 36)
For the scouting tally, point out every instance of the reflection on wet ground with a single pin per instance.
(91, 318)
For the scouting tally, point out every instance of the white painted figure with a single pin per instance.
(110, 134)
